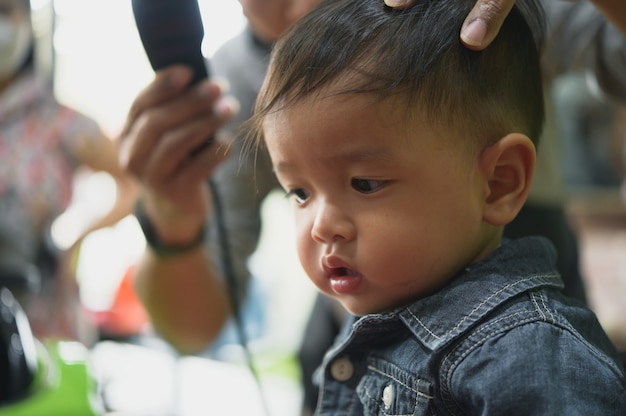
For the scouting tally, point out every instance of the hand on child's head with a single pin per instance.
(482, 24)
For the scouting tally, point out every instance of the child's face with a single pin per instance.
(387, 209)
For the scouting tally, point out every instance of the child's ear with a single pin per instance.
(507, 166)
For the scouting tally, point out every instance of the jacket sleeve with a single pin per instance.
(537, 369)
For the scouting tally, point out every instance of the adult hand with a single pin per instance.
(165, 124)
(481, 25)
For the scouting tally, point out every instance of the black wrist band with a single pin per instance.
(158, 247)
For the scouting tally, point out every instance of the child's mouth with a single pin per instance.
(343, 280)
(341, 271)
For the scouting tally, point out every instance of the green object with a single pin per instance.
(63, 385)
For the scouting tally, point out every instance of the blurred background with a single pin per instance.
(92, 52)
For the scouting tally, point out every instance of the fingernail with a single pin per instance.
(178, 77)
(223, 84)
(207, 89)
(395, 3)
(474, 34)
(226, 107)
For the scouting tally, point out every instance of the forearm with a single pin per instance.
(610, 63)
(581, 39)
(614, 11)
(185, 298)
(127, 192)
(166, 124)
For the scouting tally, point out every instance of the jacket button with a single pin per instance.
(342, 369)
(388, 396)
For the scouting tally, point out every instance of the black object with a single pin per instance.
(18, 355)
(22, 278)
(157, 246)
(171, 33)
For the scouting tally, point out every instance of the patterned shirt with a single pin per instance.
(38, 138)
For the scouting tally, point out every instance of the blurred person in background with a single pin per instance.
(43, 144)
(580, 40)
(179, 279)
(586, 119)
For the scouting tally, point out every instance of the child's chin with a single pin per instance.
(358, 309)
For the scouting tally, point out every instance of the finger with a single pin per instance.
(202, 165)
(178, 198)
(400, 4)
(166, 84)
(154, 123)
(181, 188)
(484, 21)
(172, 154)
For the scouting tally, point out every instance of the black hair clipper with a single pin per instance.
(171, 32)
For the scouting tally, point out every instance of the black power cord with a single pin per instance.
(233, 287)
(171, 32)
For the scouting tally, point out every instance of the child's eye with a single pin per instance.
(367, 186)
(299, 194)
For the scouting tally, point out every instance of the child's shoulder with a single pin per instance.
(540, 349)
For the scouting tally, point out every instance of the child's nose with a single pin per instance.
(331, 223)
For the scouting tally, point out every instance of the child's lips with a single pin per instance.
(345, 284)
(342, 279)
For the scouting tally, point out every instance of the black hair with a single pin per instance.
(416, 53)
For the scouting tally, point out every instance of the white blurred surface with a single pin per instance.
(141, 381)
(100, 62)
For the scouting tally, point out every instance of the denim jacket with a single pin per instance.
(499, 339)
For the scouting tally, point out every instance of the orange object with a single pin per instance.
(126, 316)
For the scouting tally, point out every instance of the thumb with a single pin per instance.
(484, 21)
(400, 4)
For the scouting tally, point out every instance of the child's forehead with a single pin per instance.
(337, 107)
(355, 121)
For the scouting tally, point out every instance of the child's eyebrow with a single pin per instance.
(365, 154)
(352, 155)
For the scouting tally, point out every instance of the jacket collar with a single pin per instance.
(516, 267)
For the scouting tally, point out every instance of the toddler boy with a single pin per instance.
(405, 154)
